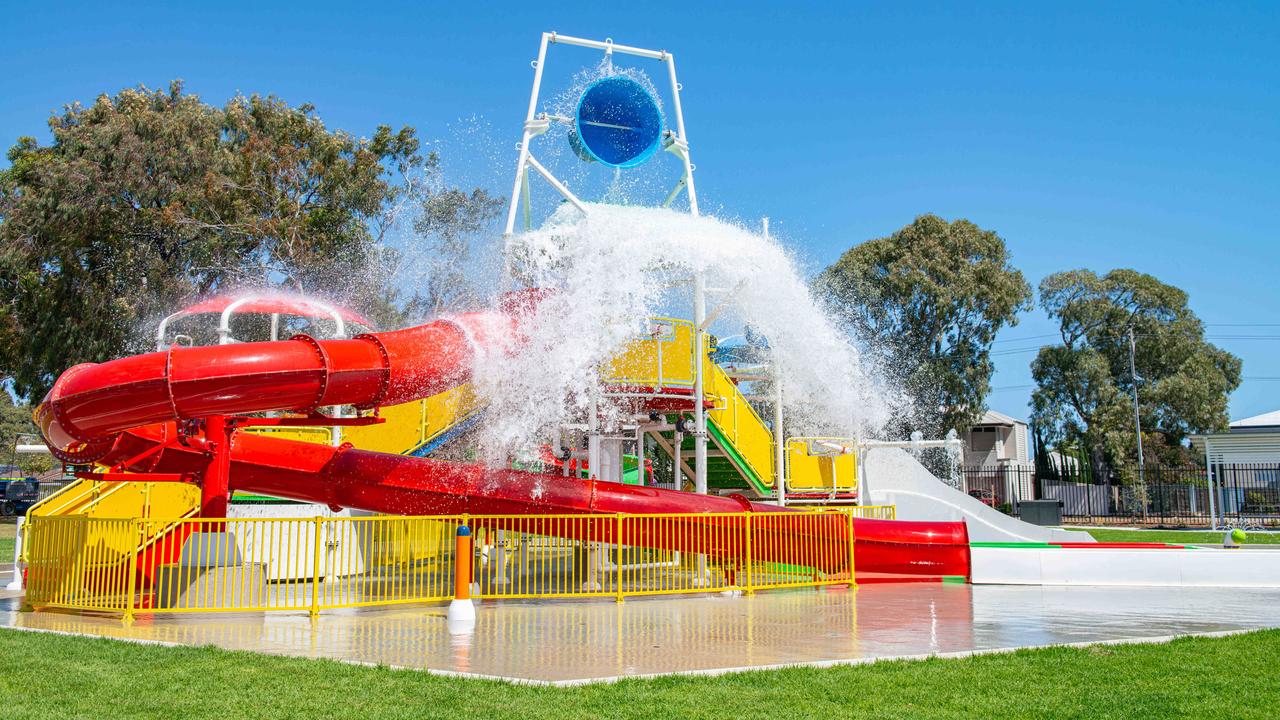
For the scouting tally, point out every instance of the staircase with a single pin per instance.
(741, 451)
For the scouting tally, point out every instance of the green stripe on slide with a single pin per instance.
(1011, 545)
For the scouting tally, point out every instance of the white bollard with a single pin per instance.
(16, 582)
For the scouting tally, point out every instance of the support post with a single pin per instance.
(853, 583)
(699, 359)
(779, 443)
(215, 487)
(19, 540)
(521, 164)
(131, 582)
(461, 618)
(1208, 476)
(749, 587)
(617, 563)
(316, 528)
(593, 437)
(1137, 419)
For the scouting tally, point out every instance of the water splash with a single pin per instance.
(618, 266)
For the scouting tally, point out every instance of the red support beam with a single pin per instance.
(215, 489)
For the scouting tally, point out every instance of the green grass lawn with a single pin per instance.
(1178, 536)
(51, 676)
(7, 530)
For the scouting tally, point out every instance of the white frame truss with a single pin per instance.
(535, 124)
(673, 141)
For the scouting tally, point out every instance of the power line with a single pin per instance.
(1029, 337)
(1036, 348)
(1054, 335)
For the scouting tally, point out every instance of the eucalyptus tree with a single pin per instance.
(1084, 386)
(931, 298)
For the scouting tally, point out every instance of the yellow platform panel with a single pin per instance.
(821, 464)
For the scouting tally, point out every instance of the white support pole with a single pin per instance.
(640, 457)
(513, 206)
(555, 183)
(860, 462)
(526, 200)
(688, 162)
(671, 196)
(724, 305)
(699, 359)
(677, 460)
(779, 442)
(593, 440)
(15, 583)
(1208, 473)
(335, 431)
(606, 46)
(779, 437)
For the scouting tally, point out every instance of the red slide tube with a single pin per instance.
(114, 411)
(397, 484)
(91, 404)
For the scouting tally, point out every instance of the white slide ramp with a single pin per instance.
(1168, 567)
(894, 477)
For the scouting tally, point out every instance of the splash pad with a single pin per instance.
(625, 452)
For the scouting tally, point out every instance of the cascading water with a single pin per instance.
(618, 266)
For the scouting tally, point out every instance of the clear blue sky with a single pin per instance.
(1141, 135)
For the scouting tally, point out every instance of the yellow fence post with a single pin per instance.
(317, 527)
(617, 565)
(130, 596)
(750, 531)
(853, 583)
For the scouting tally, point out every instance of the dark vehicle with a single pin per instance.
(17, 495)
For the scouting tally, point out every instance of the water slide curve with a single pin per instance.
(126, 412)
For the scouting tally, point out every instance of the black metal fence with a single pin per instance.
(1175, 496)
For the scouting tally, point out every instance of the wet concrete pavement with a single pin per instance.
(584, 641)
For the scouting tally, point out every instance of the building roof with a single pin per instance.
(1265, 420)
(991, 417)
(1258, 433)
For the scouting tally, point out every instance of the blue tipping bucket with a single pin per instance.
(617, 123)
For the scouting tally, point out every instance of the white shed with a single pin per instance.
(996, 439)
(1244, 466)
(1251, 441)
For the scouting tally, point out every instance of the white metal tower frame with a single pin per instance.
(673, 141)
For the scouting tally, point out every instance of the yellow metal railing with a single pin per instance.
(821, 464)
(662, 358)
(189, 565)
(116, 499)
(748, 437)
(408, 425)
(875, 512)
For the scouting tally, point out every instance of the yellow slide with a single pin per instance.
(414, 428)
(743, 449)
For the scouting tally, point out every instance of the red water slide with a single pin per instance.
(124, 412)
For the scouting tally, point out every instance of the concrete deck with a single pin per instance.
(565, 642)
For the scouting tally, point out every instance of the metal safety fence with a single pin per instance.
(131, 566)
(1225, 494)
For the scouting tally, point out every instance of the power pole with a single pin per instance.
(1137, 417)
